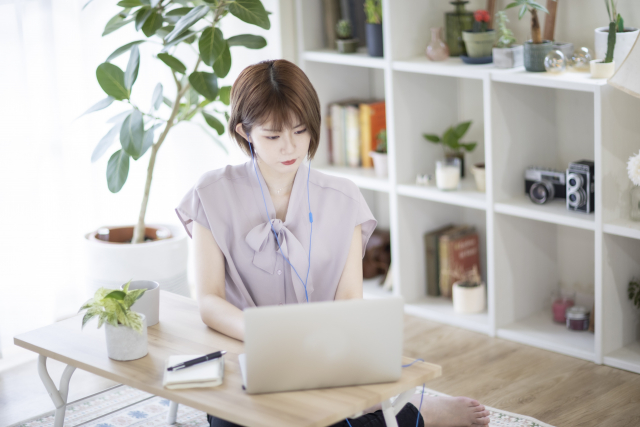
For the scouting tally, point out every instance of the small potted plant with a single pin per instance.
(625, 36)
(373, 12)
(451, 144)
(126, 330)
(506, 54)
(468, 292)
(480, 40)
(380, 160)
(634, 292)
(536, 49)
(346, 43)
(604, 68)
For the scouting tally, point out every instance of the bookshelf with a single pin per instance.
(520, 119)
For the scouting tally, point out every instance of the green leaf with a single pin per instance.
(86, 4)
(620, 24)
(180, 11)
(247, 40)
(192, 97)
(251, 12)
(214, 138)
(222, 63)
(111, 80)
(122, 49)
(431, 137)
(522, 12)
(510, 5)
(173, 62)
(183, 37)
(156, 99)
(129, 3)
(107, 140)
(225, 93)
(117, 295)
(131, 74)
(149, 135)
(152, 24)
(469, 146)
(117, 170)
(167, 102)
(88, 316)
(142, 15)
(162, 32)
(100, 105)
(205, 83)
(131, 134)
(211, 45)
(449, 138)
(214, 123)
(115, 23)
(187, 21)
(462, 128)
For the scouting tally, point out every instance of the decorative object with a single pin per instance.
(148, 303)
(479, 174)
(346, 43)
(581, 59)
(469, 293)
(424, 179)
(604, 68)
(373, 12)
(506, 54)
(380, 160)
(625, 37)
(126, 330)
(457, 21)
(451, 142)
(633, 291)
(535, 50)
(448, 174)
(479, 42)
(555, 62)
(561, 302)
(437, 50)
(633, 170)
(577, 318)
(566, 48)
(476, 61)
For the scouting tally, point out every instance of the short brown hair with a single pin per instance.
(272, 90)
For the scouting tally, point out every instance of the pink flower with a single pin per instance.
(481, 16)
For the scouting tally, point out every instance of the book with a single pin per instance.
(459, 253)
(372, 120)
(205, 374)
(432, 257)
(352, 134)
(337, 135)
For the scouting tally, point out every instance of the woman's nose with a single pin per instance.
(288, 144)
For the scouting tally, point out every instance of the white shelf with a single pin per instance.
(372, 289)
(358, 59)
(452, 67)
(555, 212)
(541, 331)
(570, 80)
(467, 196)
(623, 227)
(627, 358)
(362, 177)
(441, 310)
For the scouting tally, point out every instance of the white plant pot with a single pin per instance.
(600, 70)
(111, 265)
(479, 175)
(508, 57)
(380, 163)
(469, 300)
(624, 43)
(124, 343)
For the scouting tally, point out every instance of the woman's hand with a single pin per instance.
(350, 285)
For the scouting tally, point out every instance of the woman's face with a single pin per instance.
(281, 151)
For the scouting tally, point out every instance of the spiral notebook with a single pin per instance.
(205, 374)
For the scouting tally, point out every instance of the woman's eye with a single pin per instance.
(302, 131)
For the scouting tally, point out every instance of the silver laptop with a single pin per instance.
(322, 344)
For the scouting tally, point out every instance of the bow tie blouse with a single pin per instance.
(228, 201)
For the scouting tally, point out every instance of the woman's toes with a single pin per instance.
(481, 421)
(482, 414)
(479, 408)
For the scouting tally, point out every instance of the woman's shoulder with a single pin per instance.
(221, 176)
(335, 185)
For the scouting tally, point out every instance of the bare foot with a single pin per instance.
(444, 411)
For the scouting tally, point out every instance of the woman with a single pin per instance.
(273, 231)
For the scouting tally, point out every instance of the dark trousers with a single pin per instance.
(406, 418)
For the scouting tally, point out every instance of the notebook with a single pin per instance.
(205, 374)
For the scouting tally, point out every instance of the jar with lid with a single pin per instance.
(578, 318)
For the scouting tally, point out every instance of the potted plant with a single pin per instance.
(536, 49)
(114, 253)
(506, 54)
(126, 330)
(625, 36)
(468, 292)
(345, 42)
(380, 159)
(451, 144)
(634, 292)
(479, 41)
(604, 68)
(373, 12)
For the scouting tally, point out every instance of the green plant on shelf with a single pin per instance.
(381, 147)
(616, 24)
(532, 7)
(343, 29)
(634, 292)
(373, 11)
(614, 16)
(451, 138)
(506, 38)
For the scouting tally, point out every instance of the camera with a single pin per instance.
(543, 185)
(580, 186)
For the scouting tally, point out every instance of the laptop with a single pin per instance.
(322, 344)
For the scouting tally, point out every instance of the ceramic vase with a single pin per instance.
(124, 343)
(534, 55)
(380, 164)
(479, 45)
(437, 50)
(602, 70)
(374, 40)
(624, 43)
(508, 57)
(468, 300)
(479, 175)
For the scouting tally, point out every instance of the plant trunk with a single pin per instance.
(536, 36)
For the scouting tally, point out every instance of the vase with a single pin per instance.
(479, 45)
(437, 50)
(374, 40)
(456, 22)
(380, 164)
(602, 70)
(635, 203)
(624, 43)
(534, 54)
(508, 57)
(468, 300)
(124, 343)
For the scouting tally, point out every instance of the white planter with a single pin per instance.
(124, 343)
(469, 300)
(624, 43)
(380, 163)
(479, 175)
(111, 265)
(600, 70)
(508, 57)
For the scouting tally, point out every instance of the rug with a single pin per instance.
(124, 406)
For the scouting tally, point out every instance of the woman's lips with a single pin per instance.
(290, 162)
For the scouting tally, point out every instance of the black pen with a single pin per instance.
(197, 360)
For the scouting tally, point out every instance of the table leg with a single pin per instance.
(58, 396)
(391, 409)
(173, 413)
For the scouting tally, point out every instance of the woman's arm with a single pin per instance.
(215, 311)
(350, 285)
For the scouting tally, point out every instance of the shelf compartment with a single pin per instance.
(362, 177)
(467, 196)
(452, 67)
(331, 56)
(541, 331)
(441, 310)
(627, 358)
(554, 212)
(623, 227)
(569, 80)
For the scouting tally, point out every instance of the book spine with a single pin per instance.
(445, 277)
(378, 121)
(344, 137)
(329, 134)
(464, 255)
(365, 135)
(353, 136)
(431, 249)
(336, 133)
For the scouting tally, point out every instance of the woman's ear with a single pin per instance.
(240, 130)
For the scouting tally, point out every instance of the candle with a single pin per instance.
(562, 301)
(448, 174)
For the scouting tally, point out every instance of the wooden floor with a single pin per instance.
(556, 389)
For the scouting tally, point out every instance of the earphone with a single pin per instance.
(304, 282)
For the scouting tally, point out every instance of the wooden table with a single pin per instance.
(181, 331)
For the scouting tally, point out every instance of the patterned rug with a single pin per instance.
(123, 406)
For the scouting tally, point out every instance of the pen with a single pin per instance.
(197, 360)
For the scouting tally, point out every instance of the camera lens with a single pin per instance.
(541, 192)
(574, 180)
(577, 199)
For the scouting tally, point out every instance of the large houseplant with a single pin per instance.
(373, 12)
(625, 36)
(166, 24)
(535, 49)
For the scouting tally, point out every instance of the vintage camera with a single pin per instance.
(580, 186)
(543, 185)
